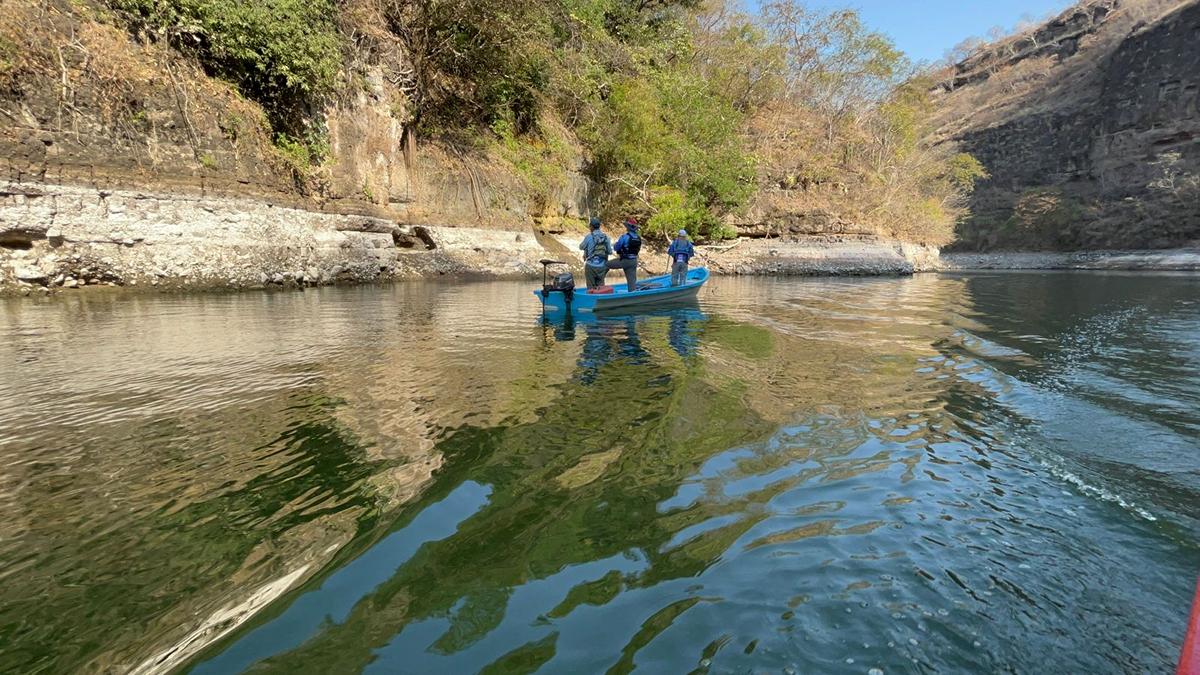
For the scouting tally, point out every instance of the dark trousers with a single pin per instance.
(594, 275)
(630, 267)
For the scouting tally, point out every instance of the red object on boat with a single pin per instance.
(601, 290)
(1189, 660)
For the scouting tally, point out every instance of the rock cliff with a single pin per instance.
(123, 163)
(1089, 126)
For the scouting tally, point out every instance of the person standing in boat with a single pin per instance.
(627, 248)
(596, 248)
(680, 252)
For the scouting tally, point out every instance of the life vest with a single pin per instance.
(633, 244)
(682, 253)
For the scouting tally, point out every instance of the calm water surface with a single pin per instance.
(997, 473)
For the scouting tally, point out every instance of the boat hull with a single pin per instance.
(657, 292)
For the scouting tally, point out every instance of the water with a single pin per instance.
(997, 473)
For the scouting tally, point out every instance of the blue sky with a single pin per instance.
(925, 29)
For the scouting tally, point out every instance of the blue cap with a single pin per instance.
(595, 223)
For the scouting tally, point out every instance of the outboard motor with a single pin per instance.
(564, 282)
(561, 283)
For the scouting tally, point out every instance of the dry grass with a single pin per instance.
(855, 169)
(55, 46)
(83, 75)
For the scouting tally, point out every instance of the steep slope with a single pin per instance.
(1090, 129)
(123, 162)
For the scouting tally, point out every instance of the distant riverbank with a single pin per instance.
(1166, 260)
(56, 237)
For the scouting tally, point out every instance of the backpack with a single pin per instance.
(595, 251)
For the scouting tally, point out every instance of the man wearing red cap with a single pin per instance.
(627, 247)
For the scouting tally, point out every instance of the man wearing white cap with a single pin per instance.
(680, 252)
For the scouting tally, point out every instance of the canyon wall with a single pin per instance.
(1090, 128)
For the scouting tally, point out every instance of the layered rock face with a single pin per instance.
(122, 163)
(1089, 127)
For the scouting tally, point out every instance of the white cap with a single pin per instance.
(683, 233)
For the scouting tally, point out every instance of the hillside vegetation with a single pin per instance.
(686, 113)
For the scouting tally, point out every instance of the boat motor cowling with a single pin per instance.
(563, 282)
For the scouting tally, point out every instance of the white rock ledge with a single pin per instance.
(67, 236)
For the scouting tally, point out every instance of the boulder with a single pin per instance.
(30, 275)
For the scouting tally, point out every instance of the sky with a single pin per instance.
(926, 29)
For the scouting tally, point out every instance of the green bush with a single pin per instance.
(8, 56)
(670, 129)
(963, 171)
(299, 154)
(673, 210)
(540, 158)
(672, 213)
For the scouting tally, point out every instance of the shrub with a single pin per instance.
(8, 57)
(963, 171)
(285, 54)
(671, 130)
(296, 154)
(1042, 217)
(672, 213)
(540, 158)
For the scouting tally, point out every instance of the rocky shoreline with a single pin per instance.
(55, 237)
(820, 255)
(63, 237)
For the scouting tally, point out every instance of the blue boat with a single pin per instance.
(559, 295)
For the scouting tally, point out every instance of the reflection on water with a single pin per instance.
(993, 472)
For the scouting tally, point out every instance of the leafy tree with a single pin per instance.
(475, 61)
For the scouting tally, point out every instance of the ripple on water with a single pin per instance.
(950, 474)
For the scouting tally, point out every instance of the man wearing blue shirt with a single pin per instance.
(596, 248)
(680, 252)
(627, 248)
